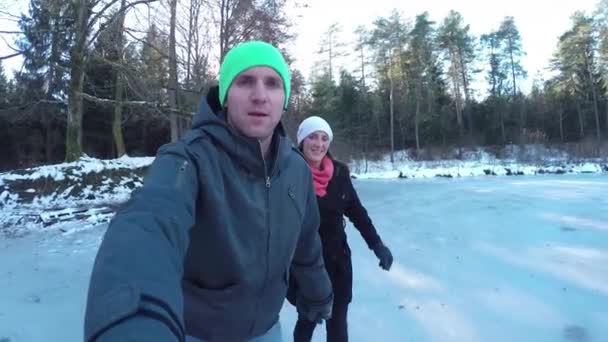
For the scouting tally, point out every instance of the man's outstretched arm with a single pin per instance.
(135, 288)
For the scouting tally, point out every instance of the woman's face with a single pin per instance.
(315, 147)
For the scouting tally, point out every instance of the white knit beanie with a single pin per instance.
(311, 125)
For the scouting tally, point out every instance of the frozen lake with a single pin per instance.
(476, 259)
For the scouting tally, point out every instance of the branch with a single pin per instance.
(163, 54)
(98, 15)
(11, 56)
(99, 100)
(9, 45)
(116, 15)
(134, 103)
(34, 31)
(13, 17)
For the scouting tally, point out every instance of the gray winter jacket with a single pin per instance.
(206, 246)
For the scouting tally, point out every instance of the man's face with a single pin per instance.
(255, 102)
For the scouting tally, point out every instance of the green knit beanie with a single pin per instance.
(248, 55)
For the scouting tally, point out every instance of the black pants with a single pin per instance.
(336, 327)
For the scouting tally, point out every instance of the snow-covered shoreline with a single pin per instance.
(89, 190)
(456, 168)
(527, 160)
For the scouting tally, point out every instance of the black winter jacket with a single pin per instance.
(341, 200)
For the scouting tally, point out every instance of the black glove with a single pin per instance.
(384, 255)
(315, 311)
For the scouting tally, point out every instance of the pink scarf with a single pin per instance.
(321, 177)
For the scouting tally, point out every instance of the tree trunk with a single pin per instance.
(465, 86)
(331, 71)
(522, 113)
(144, 136)
(606, 116)
(363, 72)
(502, 126)
(73, 144)
(173, 73)
(119, 143)
(224, 36)
(501, 111)
(561, 121)
(596, 110)
(512, 68)
(581, 123)
(392, 111)
(189, 43)
(417, 115)
(48, 148)
(457, 99)
(416, 119)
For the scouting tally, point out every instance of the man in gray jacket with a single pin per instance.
(205, 248)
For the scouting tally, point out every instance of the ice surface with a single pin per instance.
(476, 259)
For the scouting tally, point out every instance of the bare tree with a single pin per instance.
(234, 19)
(173, 82)
(87, 15)
(119, 142)
(195, 44)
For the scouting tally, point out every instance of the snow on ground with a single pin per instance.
(88, 188)
(92, 189)
(476, 259)
(530, 160)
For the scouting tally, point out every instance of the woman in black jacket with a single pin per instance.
(336, 198)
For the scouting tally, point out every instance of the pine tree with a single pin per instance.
(46, 40)
(4, 88)
(458, 47)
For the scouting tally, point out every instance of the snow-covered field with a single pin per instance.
(476, 259)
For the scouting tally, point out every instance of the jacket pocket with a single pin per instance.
(212, 298)
(292, 198)
(226, 307)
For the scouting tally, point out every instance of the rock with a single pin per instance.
(575, 333)
(33, 298)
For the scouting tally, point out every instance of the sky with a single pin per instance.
(540, 22)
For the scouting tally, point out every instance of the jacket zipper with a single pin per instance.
(267, 180)
(267, 184)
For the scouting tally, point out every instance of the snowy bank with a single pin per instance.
(90, 190)
(87, 189)
(532, 160)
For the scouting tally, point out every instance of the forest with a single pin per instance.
(105, 78)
